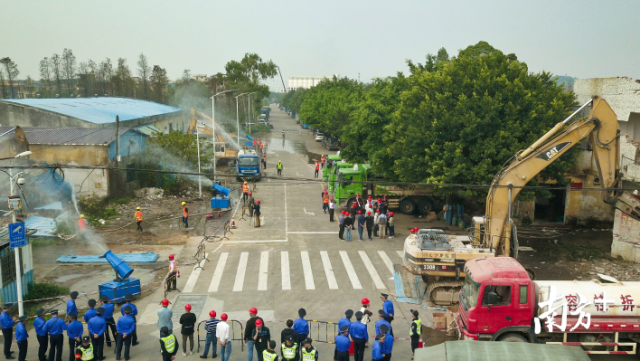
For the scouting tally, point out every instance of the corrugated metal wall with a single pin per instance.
(9, 292)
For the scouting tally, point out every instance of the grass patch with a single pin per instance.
(95, 208)
(122, 201)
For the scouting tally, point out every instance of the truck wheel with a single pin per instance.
(512, 337)
(425, 206)
(407, 206)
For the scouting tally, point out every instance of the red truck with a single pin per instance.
(499, 302)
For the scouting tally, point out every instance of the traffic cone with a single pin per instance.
(233, 223)
(420, 343)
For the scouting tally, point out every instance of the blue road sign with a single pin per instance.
(17, 236)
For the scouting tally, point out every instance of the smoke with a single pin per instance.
(95, 241)
(173, 163)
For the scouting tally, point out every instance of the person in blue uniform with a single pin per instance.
(382, 321)
(6, 324)
(96, 327)
(71, 304)
(343, 344)
(126, 325)
(387, 306)
(134, 313)
(21, 338)
(108, 316)
(376, 351)
(387, 345)
(39, 324)
(346, 320)
(55, 327)
(301, 326)
(360, 336)
(75, 329)
(91, 312)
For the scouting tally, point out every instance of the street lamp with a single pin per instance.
(238, 116)
(213, 126)
(16, 250)
(250, 111)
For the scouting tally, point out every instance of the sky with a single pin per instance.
(365, 39)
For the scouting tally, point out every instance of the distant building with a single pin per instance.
(306, 82)
(199, 77)
(98, 112)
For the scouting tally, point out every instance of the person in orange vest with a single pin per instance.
(185, 215)
(325, 203)
(317, 169)
(138, 218)
(82, 226)
(323, 160)
(245, 191)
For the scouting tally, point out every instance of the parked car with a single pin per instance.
(319, 137)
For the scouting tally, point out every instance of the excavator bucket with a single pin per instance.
(409, 287)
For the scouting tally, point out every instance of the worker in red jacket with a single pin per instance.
(317, 169)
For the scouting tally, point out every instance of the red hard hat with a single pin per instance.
(359, 212)
(368, 213)
(325, 189)
(258, 202)
(369, 197)
(379, 199)
(357, 195)
(250, 193)
(258, 322)
(253, 310)
(365, 301)
(385, 196)
(165, 302)
(377, 210)
(391, 214)
(187, 307)
(170, 256)
(355, 205)
(331, 198)
(224, 317)
(212, 314)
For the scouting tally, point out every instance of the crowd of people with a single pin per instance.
(372, 217)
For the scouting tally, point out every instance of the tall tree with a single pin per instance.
(95, 83)
(29, 87)
(69, 69)
(11, 71)
(123, 78)
(107, 68)
(45, 75)
(159, 81)
(442, 56)
(55, 63)
(3, 86)
(144, 72)
(84, 78)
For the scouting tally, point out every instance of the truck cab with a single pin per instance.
(497, 301)
(333, 174)
(248, 165)
(349, 182)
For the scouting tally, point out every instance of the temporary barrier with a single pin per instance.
(200, 255)
(330, 330)
(232, 333)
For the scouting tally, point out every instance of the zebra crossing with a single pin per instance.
(373, 268)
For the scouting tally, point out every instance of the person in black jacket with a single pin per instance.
(261, 335)
(288, 332)
(248, 330)
(188, 321)
(368, 220)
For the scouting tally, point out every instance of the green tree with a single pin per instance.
(182, 146)
(461, 123)
(443, 56)
(159, 81)
(144, 72)
(11, 71)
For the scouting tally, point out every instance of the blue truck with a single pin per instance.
(248, 165)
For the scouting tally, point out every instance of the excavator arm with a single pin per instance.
(601, 126)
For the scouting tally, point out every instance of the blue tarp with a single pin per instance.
(52, 183)
(45, 227)
(146, 257)
(51, 206)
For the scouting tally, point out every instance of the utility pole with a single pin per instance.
(16, 250)
(117, 140)
(285, 88)
(198, 144)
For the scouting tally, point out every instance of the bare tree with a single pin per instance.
(107, 67)
(29, 87)
(144, 72)
(11, 71)
(68, 68)
(95, 81)
(3, 86)
(45, 75)
(84, 78)
(123, 78)
(55, 63)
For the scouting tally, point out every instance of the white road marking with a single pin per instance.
(306, 267)
(312, 233)
(328, 271)
(400, 254)
(372, 271)
(217, 274)
(355, 282)
(264, 271)
(307, 213)
(242, 269)
(284, 266)
(258, 241)
(193, 277)
(286, 215)
(386, 261)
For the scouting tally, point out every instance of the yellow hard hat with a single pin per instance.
(245, 182)
(82, 216)
(183, 203)
(137, 207)
(279, 161)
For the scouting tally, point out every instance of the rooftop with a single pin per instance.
(98, 110)
(69, 136)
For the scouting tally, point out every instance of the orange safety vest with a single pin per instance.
(325, 199)
(254, 143)
(245, 188)
(82, 224)
(317, 166)
(139, 216)
(323, 159)
(261, 145)
(185, 211)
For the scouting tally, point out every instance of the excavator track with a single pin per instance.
(431, 288)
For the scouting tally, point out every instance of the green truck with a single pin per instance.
(358, 179)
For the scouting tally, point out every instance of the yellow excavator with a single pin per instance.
(440, 259)
(222, 149)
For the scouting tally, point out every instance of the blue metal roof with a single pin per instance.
(98, 110)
